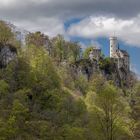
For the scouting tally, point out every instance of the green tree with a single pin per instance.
(38, 39)
(73, 133)
(110, 113)
(58, 47)
(6, 35)
(74, 51)
(135, 104)
(4, 88)
(86, 52)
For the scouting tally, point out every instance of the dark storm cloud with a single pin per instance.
(30, 9)
(49, 15)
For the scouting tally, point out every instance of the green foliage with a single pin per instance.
(74, 51)
(42, 98)
(4, 87)
(109, 112)
(64, 50)
(107, 65)
(18, 109)
(135, 104)
(73, 133)
(86, 52)
(81, 83)
(6, 35)
(38, 39)
(67, 79)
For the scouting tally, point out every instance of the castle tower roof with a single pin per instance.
(125, 53)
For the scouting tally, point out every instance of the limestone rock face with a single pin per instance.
(120, 76)
(7, 54)
(85, 67)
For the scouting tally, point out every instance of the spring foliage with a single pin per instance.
(42, 99)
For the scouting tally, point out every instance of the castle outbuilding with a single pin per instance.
(95, 53)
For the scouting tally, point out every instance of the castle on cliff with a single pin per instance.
(119, 63)
(117, 55)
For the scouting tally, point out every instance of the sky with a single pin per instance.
(91, 22)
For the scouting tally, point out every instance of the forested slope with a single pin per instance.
(42, 99)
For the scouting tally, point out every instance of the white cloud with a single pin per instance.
(93, 27)
(49, 26)
(133, 68)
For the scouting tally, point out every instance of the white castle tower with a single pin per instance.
(113, 47)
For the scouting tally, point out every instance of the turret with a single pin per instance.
(113, 47)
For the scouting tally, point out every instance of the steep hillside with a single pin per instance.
(49, 91)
